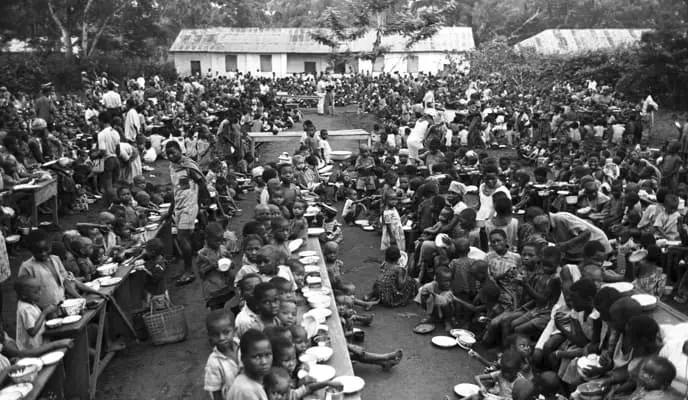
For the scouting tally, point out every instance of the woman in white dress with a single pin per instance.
(131, 162)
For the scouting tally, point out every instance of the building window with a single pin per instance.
(266, 62)
(309, 67)
(412, 64)
(195, 67)
(231, 63)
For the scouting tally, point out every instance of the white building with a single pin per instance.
(576, 41)
(285, 51)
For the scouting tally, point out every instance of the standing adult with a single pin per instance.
(108, 144)
(44, 106)
(130, 162)
(187, 181)
(112, 101)
(132, 122)
(329, 101)
(415, 139)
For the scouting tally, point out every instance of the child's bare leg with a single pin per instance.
(367, 305)
(448, 313)
(385, 360)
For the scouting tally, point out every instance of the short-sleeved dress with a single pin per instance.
(391, 219)
(389, 293)
(185, 197)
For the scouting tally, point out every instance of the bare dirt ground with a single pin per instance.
(175, 371)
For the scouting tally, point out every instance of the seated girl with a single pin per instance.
(393, 286)
(438, 300)
(541, 287)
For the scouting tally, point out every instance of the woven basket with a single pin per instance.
(166, 326)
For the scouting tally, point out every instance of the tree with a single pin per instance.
(341, 26)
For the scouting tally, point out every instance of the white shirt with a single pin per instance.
(111, 99)
(649, 101)
(418, 132)
(108, 139)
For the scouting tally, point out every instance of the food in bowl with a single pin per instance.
(319, 301)
(466, 341)
(314, 282)
(154, 218)
(23, 373)
(107, 269)
(73, 306)
(340, 155)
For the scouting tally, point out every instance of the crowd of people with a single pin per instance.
(529, 249)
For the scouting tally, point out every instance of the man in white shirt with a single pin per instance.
(132, 122)
(108, 142)
(112, 101)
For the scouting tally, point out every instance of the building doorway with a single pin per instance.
(195, 68)
(266, 63)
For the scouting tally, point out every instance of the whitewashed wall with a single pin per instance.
(295, 62)
(216, 62)
(284, 64)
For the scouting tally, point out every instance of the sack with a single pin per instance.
(166, 326)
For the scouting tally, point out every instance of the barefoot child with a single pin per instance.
(345, 305)
(222, 366)
(437, 298)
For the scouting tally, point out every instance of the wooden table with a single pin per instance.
(83, 367)
(340, 360)
(44, 376)
(263, 137)
(40, 193)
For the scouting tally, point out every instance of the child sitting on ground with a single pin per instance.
(30, 318)
(647, 275)
(334, 267)
(345, 305)
(501, 382)
(437, 299)
(393, 286)
(215, 281)
(548, 385)
(541, 286)
(654, 380)
(222, 366)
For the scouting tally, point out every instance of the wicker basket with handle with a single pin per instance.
(166, 325)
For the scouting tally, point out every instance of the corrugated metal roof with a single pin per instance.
(450, 38)
(571, 41)
(298, 40)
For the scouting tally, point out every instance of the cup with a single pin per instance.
(333, 394)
